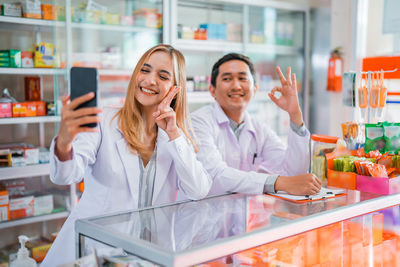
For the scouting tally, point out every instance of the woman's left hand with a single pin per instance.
(166, 116)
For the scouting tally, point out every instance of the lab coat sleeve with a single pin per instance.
(84, 150)
(193, 179)
(225, 178)
(277, 159)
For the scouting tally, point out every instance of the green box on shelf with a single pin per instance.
(14, 56)
(4, 64)
(5, 60)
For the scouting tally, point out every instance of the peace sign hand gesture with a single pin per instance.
(288, 100)
(166, 116)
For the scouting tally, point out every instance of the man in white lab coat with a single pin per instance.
(242, 154)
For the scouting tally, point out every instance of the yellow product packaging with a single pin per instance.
(45, 56)
(38, 248)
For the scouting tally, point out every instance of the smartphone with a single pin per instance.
(83, 81)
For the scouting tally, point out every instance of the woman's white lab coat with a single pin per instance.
(111, 174)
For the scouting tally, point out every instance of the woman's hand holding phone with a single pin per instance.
(71, 121)
(166, 116)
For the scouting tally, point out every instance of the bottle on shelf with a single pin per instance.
(23, 259)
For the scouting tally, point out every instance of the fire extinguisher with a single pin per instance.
(335, 71)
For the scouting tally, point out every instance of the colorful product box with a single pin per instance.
(11, 9)
(31, 9)
(21, 207)
(19, 109)
(27, 59)
(14, 58)
(40, 108)
(112, 19)
(49, 12)
(32, 88)
(4, 206)
(5, 110)
(44, 56)
(5, 157)
(31, 156)
(147, 18)
(43, 205)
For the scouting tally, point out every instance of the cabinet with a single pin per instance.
(269, 32)
(108, 35)
(112, 35)
(236, 229)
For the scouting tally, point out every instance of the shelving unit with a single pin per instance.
(20, 120)
(24, 171)
(103, 27)
(26, 22)
(34, 219)
(32, 71)
(208, 45)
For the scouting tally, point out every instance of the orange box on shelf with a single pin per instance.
(21, 207)
(4, 206)
(346, 180)
(40, 108)
(30, 109)
(19, 109)
(49, 12)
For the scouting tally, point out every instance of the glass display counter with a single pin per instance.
(234, 229)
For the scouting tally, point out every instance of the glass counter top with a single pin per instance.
(193, 232)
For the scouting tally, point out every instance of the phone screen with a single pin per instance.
(83, 81)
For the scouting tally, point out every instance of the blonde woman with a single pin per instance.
(139, 155)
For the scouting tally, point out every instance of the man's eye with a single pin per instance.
(243, 79)
(226, 79)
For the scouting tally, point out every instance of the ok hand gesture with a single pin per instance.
(166, 116)
(288, 100)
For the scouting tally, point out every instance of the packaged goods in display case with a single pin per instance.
(321, 145)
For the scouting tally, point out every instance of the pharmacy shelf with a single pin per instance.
(273, 49)
(199, 97)
(34, 219)
(30, 120)
(119, 28)
(24, 171)
(33, 71)
(31, 22)
(208, 45)
(110, 72)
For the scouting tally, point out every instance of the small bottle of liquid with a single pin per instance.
(23, 259)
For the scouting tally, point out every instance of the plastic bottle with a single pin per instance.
(23, 259)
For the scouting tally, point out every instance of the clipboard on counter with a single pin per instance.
(324, 193)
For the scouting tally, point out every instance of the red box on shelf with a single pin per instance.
(5, 110)
(32, 88)
(40, 108)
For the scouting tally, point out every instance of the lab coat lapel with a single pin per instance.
(247, 135)
(163, 163)
(131, 165)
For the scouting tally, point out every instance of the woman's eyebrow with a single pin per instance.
(166, 72)
(147, 65)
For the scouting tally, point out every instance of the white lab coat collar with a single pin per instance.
(131, 164)
(222, 118)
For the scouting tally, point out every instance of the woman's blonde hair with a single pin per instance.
(130, 119)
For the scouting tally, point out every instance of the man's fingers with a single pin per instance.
(82, 99)
(294, 82)
(288, 75)
(280, 74)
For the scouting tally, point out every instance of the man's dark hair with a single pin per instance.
(229, 57)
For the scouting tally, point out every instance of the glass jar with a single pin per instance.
(321, 145)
